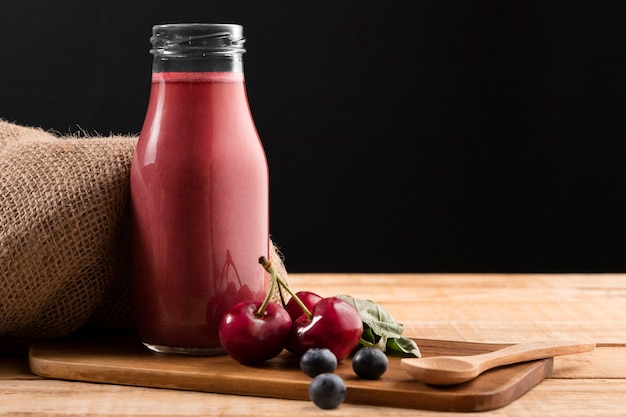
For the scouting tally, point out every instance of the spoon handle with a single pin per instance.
(533, 350)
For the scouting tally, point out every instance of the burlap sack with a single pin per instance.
(65, 233)
(64, 236)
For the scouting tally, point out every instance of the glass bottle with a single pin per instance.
(199, 191)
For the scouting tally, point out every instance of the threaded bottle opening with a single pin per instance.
(197, 47)
(193, 40)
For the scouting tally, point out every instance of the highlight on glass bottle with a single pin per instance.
(199, 191)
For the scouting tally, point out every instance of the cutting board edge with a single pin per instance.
(84, 371)
(463, 402)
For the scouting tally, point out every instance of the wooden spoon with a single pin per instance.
(448, 370)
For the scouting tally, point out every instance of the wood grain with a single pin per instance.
(491, 308)
(124, 361)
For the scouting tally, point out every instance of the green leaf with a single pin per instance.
(368, 335)
(380, 329)
(403, 347)
(376, 317)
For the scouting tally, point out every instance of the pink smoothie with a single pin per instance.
(199, 187)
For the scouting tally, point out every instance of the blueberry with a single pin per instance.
(318, 361)
(369, 363)
(327, 391)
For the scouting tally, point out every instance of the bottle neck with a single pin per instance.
(198, 77)
(232, 64)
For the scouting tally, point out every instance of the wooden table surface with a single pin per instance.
(465, 307)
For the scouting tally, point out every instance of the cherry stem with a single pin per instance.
(266, 301)
(267, 264)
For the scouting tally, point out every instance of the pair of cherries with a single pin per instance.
(254, 331)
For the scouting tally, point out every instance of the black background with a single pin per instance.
(402, 136)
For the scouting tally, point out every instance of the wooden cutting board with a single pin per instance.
(123, 360)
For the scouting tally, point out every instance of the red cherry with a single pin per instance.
(336, 325)
(308, 298)
(249, 338)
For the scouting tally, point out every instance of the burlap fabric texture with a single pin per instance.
(65, 233)
(64, 257)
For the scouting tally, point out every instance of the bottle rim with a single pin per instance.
(190, 40)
